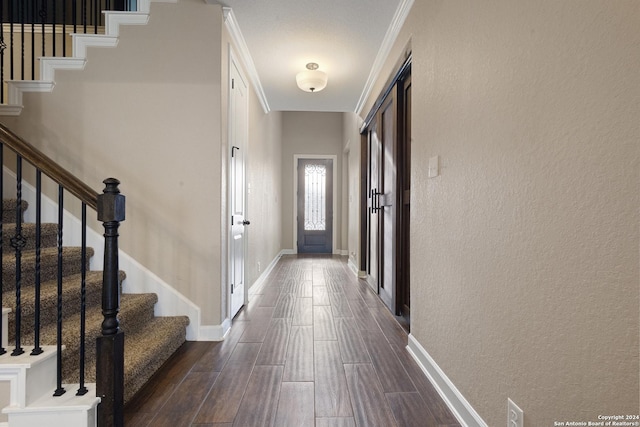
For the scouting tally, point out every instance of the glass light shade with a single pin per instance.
(312, 80)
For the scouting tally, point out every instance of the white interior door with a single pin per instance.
(238, 143)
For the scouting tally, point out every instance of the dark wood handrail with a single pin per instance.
(50, 168)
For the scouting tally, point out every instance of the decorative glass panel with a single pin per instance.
(315, 195)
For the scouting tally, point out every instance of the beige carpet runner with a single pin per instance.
(149, 340)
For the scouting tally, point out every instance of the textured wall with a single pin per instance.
(525, 250)
(309, 133)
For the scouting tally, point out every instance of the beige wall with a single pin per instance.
(525, 250)
(351, 136)
(148, 112)
(264, 176)
(310, 133)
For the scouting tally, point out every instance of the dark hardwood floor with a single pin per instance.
(315, 346)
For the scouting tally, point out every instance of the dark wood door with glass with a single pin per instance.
(315, 206)
(386, 151)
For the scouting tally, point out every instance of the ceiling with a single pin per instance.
(345, 38)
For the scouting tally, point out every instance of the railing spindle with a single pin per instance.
(82, 390)
(84, 16)
(64, 28)
(12, 19)
(53, 26)
(18, 242)
(43, 20)
(74, 7)
(21, 11)
(95, 16)
(36, 330)
(33, 39)
(59, 390)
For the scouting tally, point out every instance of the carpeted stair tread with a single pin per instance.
(71, 257)
(9, 210)
(154, 344)
(48, 236)
(149, 340)
(71, 292)
(135, 310)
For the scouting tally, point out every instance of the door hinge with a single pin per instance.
(231, 219)
(233, 83)
(232, 288)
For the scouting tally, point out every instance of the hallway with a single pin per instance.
(315, 346)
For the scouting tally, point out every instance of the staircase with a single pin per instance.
(27, 383)
(149, 340)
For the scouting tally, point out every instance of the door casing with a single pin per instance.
(334, 158)
(241, 145)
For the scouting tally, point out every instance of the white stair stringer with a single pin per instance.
(30, 382)
(113, 20)
(28, 376)
(80, 43)
(67, 410)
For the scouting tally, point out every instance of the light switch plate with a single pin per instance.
(434, 166)
(515, 416)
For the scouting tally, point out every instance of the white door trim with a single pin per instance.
(234, 63)
(334, 158)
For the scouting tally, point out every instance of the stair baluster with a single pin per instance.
(82, 390)
(36, 329)
(18, 242)
(59, 389)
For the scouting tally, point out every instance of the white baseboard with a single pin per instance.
(260, 281)
(288, 252)
(214, 332)
(456, 402)
(352, 267)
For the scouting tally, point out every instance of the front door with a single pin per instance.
(238, 141)
(315, 206)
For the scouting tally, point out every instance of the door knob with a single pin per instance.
(245, 222)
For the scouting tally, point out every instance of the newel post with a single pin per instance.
(110, 346)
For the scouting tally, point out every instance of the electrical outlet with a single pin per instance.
(258, 267)
(515, 416)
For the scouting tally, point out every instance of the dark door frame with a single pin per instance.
(400, 85)
(296, 157)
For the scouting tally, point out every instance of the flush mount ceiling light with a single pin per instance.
(312, 80)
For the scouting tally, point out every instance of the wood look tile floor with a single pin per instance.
(314, 347)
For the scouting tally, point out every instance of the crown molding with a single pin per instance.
(385, 48)
(245, 57)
